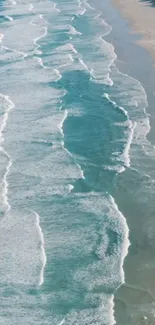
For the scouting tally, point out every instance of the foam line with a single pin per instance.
(5, 183)
(37, 39)
(43, 253)
(55, 7)
(62, 322)
(126, 242)
(10, 106)
(58, 74)
(1, 37)
(74, 159)
(70, 188)
(9, 18)
(6, 113)
(105, 95)
(40, 61)
(72, 48)
(63, 146)
(31, 7)
(62, 122)
(126, 153)
(73, 31)
(24, 55)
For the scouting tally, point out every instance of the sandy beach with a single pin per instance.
(142, 18)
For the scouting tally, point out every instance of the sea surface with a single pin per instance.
(71, 124)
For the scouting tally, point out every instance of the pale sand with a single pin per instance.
(142, 18)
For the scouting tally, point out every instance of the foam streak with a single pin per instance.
(9, 106)
(42, 246)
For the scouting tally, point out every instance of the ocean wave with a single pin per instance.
(90, 252)
(99, 48)
(125, 157)
(130, 93)
(136, 95)
(24, 249)
(100, 277)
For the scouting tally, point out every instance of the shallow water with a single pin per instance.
(71, 125)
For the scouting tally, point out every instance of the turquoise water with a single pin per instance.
(70, 123)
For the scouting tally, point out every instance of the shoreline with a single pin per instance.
(135, 299)
(141, 17)
(134, 191)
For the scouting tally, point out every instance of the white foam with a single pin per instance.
(43, 253)
(21, 253)
(132, 95)
(126, 242)
(20, 38)
(89, 6)
(31, 7)
(82, 12)
(32, 23)
(84, 65)
(62, 322)
(73, 31)
(105, 95)
(8, 106)
(55, 7)
(10, 3)
(37, 39)
(71, 46)
(62, 122)
(5, 183)
(74, 160)
(125, 157)
(98, 15)
(70, 188)
(63, 146)
(1, 37)
(9, 18)
(40, 61)
(126, 154)
(71, 58)
(59, 76)
(99, 69)
(24, 55)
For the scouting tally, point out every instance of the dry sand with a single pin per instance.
(142, 18)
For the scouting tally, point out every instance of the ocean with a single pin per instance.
(73, 129)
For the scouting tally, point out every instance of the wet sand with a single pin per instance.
(135, 300)
(142, 18)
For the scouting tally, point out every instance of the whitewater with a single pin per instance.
(69, 124)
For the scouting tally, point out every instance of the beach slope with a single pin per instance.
(142, 18)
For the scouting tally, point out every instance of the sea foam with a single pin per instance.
(7, 105)
(42, 247)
